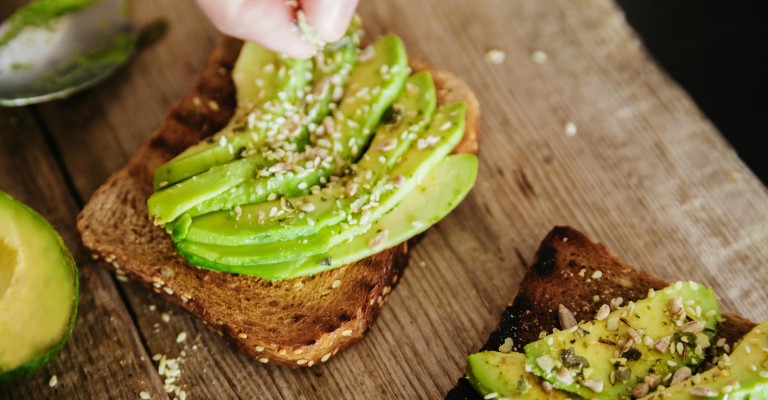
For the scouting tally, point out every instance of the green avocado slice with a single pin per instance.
(38, 290)
(372, 88)
(369, 92)
(741, 376)
(253, 224)
(444, 133)
(505, 375)
(439, 192)
(607, 358)
(264, 81)
(282, 119)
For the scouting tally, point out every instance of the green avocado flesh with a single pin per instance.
(446, 129)
(439, 192)
(254, 225)
(38, 290)
(505, 375)
(283, 101)
(741, 376)
(606, 359)
(249, 183)
(316, 171)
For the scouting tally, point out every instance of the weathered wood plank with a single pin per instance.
(104, 356)
(645, 173)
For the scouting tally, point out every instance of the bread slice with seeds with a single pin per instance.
(571, 270)
(295, 323)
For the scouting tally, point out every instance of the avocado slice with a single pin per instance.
(264, 81)
(505, 375)
(282, 119)
(670, 329)
(742, 375)
(444, 133)
(38, 290)
(439, 192)
(252, 224)
(368, 94)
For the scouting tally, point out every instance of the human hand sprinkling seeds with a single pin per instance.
(274, 23)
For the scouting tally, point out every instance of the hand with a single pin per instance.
(271, 23)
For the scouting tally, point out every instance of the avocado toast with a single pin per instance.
(571, 270)
(295, 322)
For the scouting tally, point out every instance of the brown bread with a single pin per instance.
(295, 323)
(555, 278)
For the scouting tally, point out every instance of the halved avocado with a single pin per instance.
(38, 290)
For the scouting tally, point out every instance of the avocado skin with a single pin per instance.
(649, 316)
(49, 354)
(272, 252)
(751, 385)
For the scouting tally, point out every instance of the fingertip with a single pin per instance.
(329, 18)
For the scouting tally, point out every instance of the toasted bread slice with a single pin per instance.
(555, 278)
(295, 323)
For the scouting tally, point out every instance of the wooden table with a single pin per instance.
(645, 173)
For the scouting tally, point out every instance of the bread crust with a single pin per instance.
(295, 323)
(555, 278)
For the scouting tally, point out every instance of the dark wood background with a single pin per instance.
(646, 173)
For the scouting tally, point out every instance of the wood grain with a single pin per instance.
(646, 174)
(105, 348)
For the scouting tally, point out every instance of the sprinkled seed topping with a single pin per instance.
(181, 337)
(597, 274)
(53, 381)
(662, 345)
(596, 385)
(693, 326)
(144, 395)
(702, 391)
(567, 320)
(506, 347)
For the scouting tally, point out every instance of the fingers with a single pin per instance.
(268, 22)
(329, 18)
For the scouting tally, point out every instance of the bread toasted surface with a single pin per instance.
(555, 277)
(297, 322)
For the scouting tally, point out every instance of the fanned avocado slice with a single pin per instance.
(38, 290)
(267, 84)
(503, 375)
(446, 130)
(608, 357)
(741, 376)
(441, 190)
(306, 215)
(370, 92)
(372, 88)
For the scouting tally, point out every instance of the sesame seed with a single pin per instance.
(263, 360)
(348, 332)
(168, 290)
(336, 284)
(53, 381)
(325, 357)
(182, 337)
(570, 129)
(494, 56)
(242, 335)
(597, 274)
(165, 317)
(539, 57)
(301, 362)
